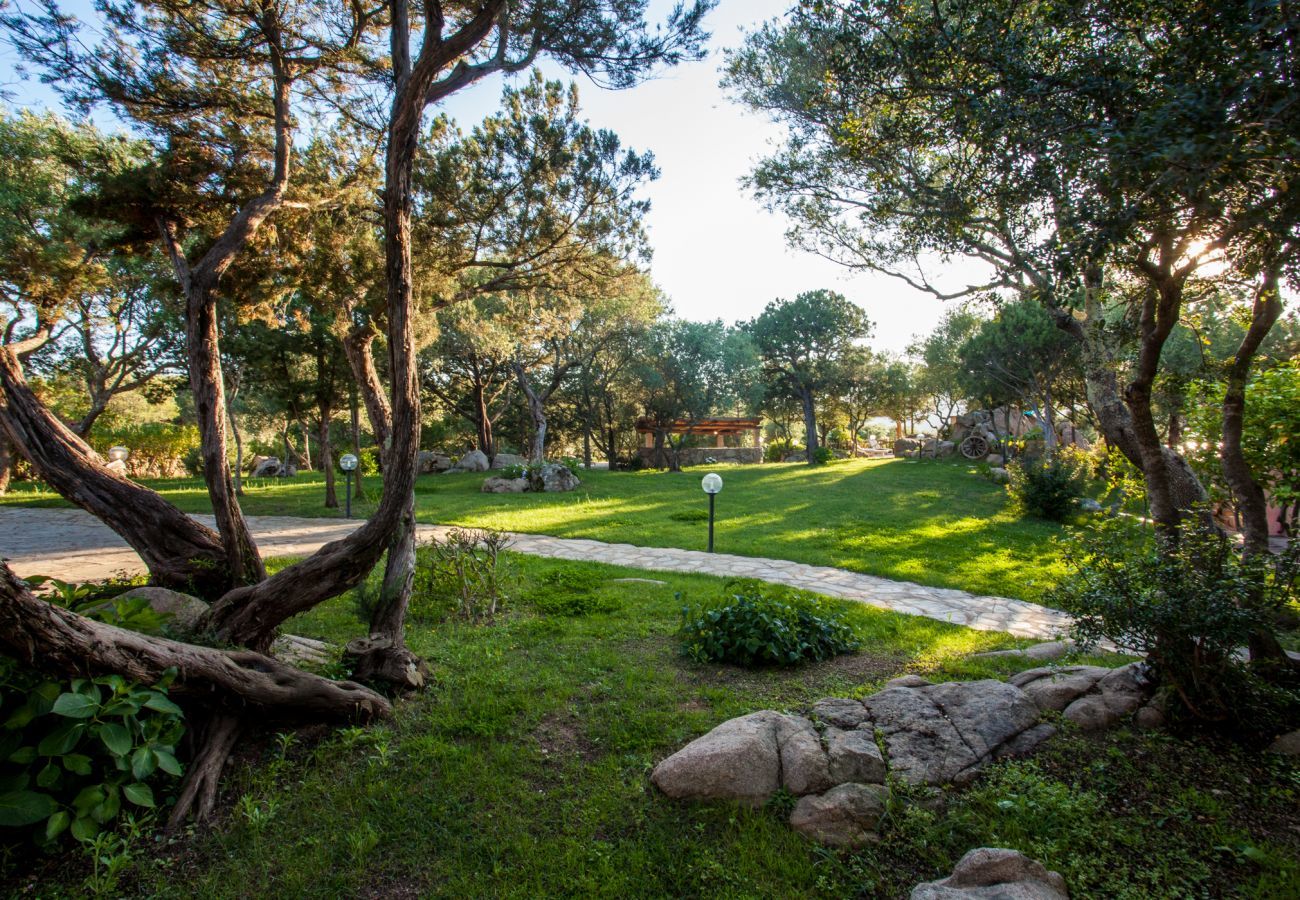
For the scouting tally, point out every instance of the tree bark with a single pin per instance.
(208, 387)
(6, 461)
(56, 640)
(809, 424)
(1250, 495)
(178, 552)
(483, 421)
(325, 448)
(536, 412)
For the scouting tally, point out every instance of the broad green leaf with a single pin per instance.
(167, 762)
(49, 775)
(84, 828)
(19, 808)
(160, 703)
(23, 755)
(56, 824)
(77, 763)
(116, 738)
(75, 706)
(143, 763)
(139, 794)
(61, 740)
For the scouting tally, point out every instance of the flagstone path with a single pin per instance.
(74, 546)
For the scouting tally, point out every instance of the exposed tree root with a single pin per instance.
(198, 795)
(376, 661)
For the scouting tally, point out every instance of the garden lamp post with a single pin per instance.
(348, 463)
(118, 453)
(712, 484)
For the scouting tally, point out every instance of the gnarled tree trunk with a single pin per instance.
(178, 551)
(384, 656)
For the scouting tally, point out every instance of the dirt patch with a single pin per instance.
(562, 735)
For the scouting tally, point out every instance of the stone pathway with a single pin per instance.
(74, 546)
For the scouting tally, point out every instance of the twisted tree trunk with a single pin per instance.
(178, 552)
(384, 656)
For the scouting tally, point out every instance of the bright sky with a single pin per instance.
(717, 252)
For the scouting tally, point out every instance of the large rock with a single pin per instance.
(1055, 689)
(431, 461)
(553, 478)
(473, 461)
(301, 651)
(269, 467)
(853, 756)
(181, 612)
(999, 475)
(739, 760)
(844, 816)
(996, 874)
(1288, 744)
(497, 485)
(840, 712)
(1046, 651)
(944, 733)
(804, 764)
(506, 460)
(905, 445)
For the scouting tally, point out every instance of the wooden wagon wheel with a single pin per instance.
(974, 447)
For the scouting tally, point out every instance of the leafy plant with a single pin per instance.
(1189, 607)
(463, 571)
(101, 601)
(73, 751)
(1048, 488)
(759, 629)
(823, 455)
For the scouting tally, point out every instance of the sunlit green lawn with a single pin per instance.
(523, 772)
(934, 522)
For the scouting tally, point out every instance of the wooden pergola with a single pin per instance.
(719, 427)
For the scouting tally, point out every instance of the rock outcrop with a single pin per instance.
(996, 874)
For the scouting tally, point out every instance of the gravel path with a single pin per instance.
(73, 545)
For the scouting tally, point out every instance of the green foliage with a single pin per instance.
(762, 628)
(155, 446)
(462, 574)
(777, 450)
(101, 601)
(823, 455)
(73, 751)
(1048, 488)
(569, 592)
(1189, 607)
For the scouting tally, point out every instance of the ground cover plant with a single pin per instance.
(929, 521)
(523, 771)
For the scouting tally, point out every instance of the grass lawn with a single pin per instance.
(523, 772)
(936, 522)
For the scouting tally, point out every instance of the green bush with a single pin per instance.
(777, 450)
(1189, 607)
(760, 629)
(823, 455)
(463, 574)
(73, 751)
(1048, 488)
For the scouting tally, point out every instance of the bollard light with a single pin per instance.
(348, 463)
(712, 484)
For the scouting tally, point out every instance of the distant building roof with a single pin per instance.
(719, 425)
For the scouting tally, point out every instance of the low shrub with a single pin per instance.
(1048, 488)
(756, 628)
(777, 450)
(1190, 608)
(74, 751)
(823, 455)
(462, 574)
